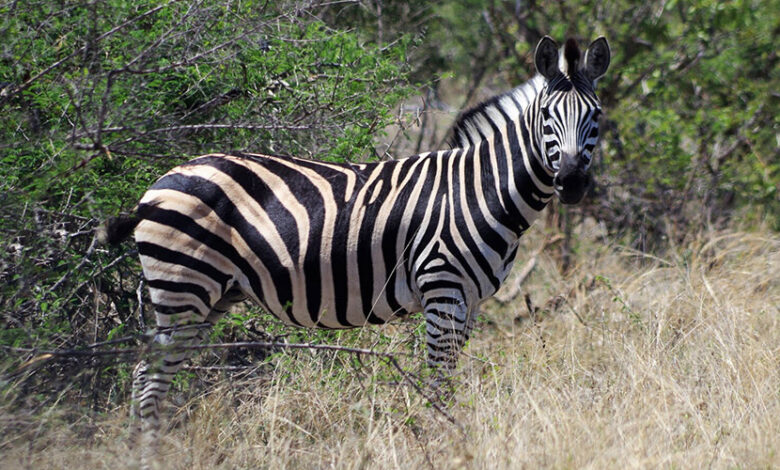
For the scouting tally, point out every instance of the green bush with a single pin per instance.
(101, 98)
(690, 130)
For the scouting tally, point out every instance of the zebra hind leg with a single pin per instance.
(140, 373)
(151, 380)
(178, 327)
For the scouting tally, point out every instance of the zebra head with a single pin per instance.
(567, 112)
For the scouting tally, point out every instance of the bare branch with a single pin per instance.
(7, 92)
(42, 357)
(513, 291)
(199, 127)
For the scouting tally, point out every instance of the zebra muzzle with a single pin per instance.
(572, 181)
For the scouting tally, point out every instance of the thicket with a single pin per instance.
(100, 98)
(691, 131)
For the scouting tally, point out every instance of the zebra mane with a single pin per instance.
(570, 58)
(482, 121)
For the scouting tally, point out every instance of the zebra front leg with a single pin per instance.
(446, 327)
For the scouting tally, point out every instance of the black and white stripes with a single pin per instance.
(340, 246)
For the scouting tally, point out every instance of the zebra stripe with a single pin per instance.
(333, 245)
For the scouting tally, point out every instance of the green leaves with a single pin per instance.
(101, 98)
(690, 99)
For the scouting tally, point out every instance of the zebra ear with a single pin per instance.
(597, 59)
(546, 58)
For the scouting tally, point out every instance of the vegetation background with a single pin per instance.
(646, 333)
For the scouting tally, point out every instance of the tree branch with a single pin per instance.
(7, 92)
(44, 356)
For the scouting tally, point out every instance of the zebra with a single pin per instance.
(330, 245)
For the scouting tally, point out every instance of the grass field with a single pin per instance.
(629, 361)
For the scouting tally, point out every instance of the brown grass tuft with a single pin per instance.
(643, 361)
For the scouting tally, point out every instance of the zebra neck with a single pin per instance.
(486, 119)
(512, 182)
(532, 121)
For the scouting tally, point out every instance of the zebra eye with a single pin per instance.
(546, 113)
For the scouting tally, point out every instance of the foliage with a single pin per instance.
(102, 97)
(691, 130)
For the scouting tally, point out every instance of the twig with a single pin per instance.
(139, 295)
(196, 127)
(45, 356)
(84, 261)
(576, 314)
(423, 447)
(13, 90)
(336, 2)
(513, 291)
(219, 368)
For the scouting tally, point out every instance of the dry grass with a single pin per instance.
(669, 362)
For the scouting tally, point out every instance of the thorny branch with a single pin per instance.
(7, 93)
(43, 357)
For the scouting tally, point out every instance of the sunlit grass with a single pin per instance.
(668, 361)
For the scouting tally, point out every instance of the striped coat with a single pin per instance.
(343, 245)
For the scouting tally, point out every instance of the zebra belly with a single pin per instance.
(211, 273)
(331, 309)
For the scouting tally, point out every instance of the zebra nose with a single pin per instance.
(557, 183)
(571, 181)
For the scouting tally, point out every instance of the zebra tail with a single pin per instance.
(116, 229)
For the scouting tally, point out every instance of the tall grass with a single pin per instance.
(628, 361)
